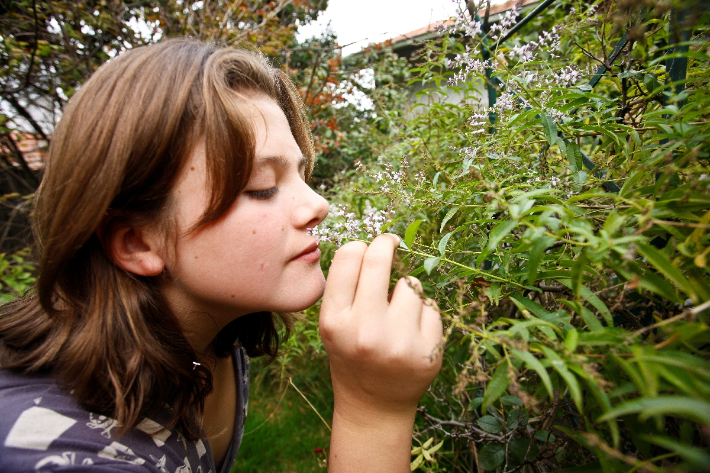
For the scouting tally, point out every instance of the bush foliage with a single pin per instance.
(566, 243)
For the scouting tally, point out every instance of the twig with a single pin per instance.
(470, 428)
(290, 381)
(687, 314)
(681, 224)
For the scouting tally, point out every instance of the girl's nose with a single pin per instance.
(312, 209)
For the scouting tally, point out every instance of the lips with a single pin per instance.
(310, 254)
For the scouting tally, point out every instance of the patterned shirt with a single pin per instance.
(42, 429)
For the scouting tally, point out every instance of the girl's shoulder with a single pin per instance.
(43, 429)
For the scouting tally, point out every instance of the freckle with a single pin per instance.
(253, 232)
(192, 168)
(283, 228)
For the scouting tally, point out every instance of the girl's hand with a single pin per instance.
(384, 353)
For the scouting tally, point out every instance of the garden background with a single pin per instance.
(547, 168)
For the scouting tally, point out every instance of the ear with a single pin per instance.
(133, 249)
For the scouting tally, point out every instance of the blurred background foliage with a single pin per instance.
(563, 231)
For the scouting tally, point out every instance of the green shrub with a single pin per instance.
(575, 294)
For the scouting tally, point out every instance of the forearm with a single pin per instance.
(372, 444)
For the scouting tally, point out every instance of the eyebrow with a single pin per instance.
(280, 161)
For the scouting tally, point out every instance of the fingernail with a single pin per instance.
(399, 239)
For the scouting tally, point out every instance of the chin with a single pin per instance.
(304, 297)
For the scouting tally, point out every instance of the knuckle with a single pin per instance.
(329, 325)
(365, 344)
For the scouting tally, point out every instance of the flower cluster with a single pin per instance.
(506, 102)
(500, 29)
(342, 224)
(389, 177)
(549, 40)
(555, 114)
(479, 121)
(466, 65)
(462, 21)
(567, 76)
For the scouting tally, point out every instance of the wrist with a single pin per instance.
(370, 441)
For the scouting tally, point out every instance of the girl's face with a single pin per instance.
(258, 256)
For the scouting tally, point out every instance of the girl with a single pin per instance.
(172, 226)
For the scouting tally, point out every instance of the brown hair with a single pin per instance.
(103, 332)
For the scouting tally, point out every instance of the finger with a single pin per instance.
(373, 283)
(343, 277)
(407, 302)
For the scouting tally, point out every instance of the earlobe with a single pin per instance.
(130, 248)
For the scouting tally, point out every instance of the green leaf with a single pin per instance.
(562, 145)
(535, 365)
(589, 318)
(603, 400)
(571, 340)
(523, 302)
(697, 457)
(520, 450)
(448, 217)
(493, 292)
(475, 402)
(677, 359)
(444, 241)
(430, 264)
(499, 232)
(593, 299)
(496, 386)
(491, 456)
(517, 417)
(511, 401)
(436, 447)
(677, 406)
(651, 83)
(550, 128)
(388, 224)
(580, 177)
(574, 155)
(536, 253)
(597, 304)
(544, 436)
(649, 281)
(411, 233)
(416, 463)
(490, 424)
(661, 262)
(559, 365)
(578, 272)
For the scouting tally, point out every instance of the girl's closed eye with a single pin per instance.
(263, 194)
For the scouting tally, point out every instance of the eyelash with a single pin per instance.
(263, 194)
